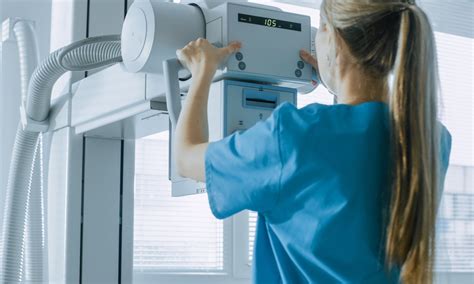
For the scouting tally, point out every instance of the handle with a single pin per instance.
(171, 67)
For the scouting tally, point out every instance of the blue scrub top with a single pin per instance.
(319, 178)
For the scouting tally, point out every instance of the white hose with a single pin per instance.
(46, 75)
(14, 223)
(21, 169)
(28, 53)
(34, 238)
(36, 253)
(25, 192)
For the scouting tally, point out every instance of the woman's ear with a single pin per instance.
(340, 50)
(343, 58)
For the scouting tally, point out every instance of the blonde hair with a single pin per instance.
(395, 37)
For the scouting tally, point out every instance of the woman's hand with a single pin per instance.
(201, 56)
(308, 58)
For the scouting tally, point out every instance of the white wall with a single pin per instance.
(40, 12)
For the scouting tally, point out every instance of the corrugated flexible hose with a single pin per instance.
(23, 225)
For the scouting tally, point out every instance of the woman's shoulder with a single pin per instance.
(370, 108)
(338, 117)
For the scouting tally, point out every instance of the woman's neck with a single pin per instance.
(357, 87)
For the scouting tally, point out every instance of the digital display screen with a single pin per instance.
(269, 22)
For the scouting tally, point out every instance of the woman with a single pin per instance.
(345, 193)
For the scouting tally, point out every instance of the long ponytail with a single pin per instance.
(413, 104)
(395, 37)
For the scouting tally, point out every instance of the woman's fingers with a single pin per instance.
(200, 52)
(306, 56)
(179, 53)
(231, 48)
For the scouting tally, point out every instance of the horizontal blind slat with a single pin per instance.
(171, 234)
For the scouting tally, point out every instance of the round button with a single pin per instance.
(242, 66)
(239, 56)
(300, 64)
(298, 73)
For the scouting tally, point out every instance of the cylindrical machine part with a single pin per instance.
(154, 30)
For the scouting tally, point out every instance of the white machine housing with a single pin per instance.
(154, 30)
(152, 33)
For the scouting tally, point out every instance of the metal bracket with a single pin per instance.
(31, 125)
(7, 28)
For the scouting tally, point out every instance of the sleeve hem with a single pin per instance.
(210, 192)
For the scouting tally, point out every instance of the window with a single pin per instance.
(456, 222)
(171, 234)
(252, 231)
(455, 231)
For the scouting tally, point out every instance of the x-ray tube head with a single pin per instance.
(153, 30)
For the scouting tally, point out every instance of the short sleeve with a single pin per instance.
(445, 150)
(243, 170)
(445, 146)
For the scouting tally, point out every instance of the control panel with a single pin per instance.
(271, 41)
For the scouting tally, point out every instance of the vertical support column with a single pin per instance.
(105, 17)
(100, 258)
(64, 205)
(107, 234)
(79, 218)
(107, 226)
(127, 212)
(68, 24)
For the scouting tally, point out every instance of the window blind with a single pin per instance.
(171, 233)
(455, 225)
(252, 231)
